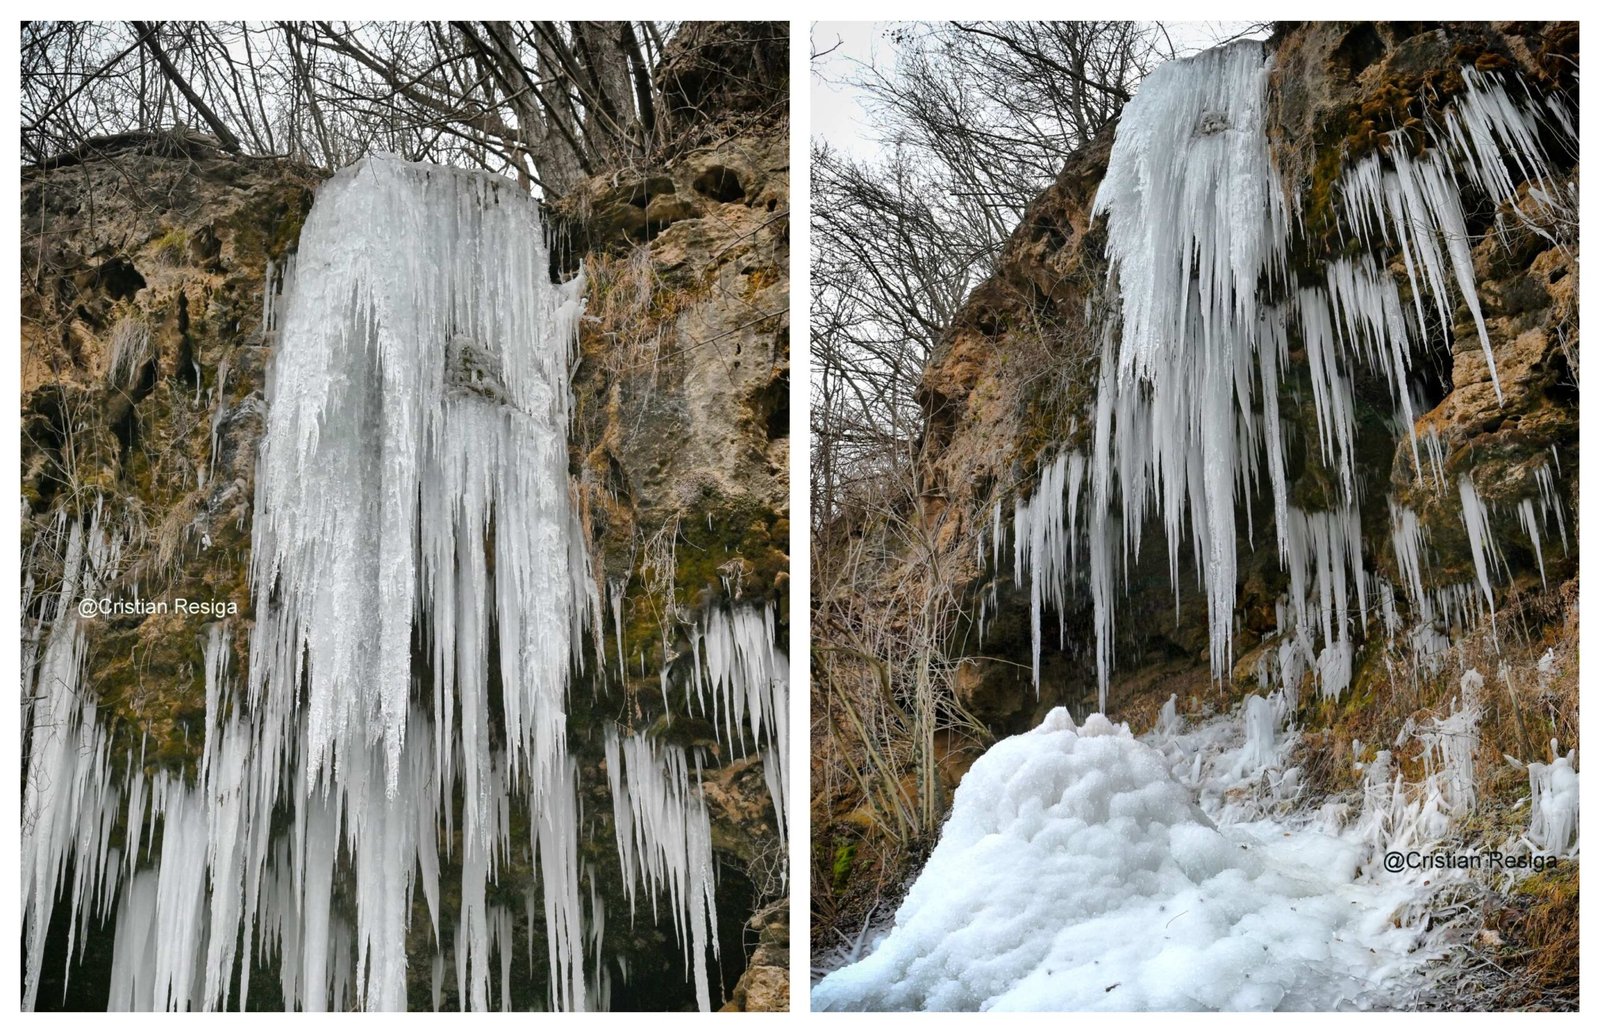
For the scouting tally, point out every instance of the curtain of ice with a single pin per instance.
(664, 840)
(739, 679)
(69, 799)
(413, 489)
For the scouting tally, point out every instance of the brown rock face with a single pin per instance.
(680, 436)
(765, 983)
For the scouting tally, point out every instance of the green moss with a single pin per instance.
(844, 856)
(725, 551)
(720, 533)
(171, 245)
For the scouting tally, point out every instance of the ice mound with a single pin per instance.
(1076, 873)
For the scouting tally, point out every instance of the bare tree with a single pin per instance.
(547, 102)
(974, 120)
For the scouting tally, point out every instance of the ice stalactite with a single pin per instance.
(664, 840)
(1550, 503)
(740, 678)
(1410, 548)
(1208, 313)
(1195, 221)
(1530, 527)
(69, 798)
(1327, 590)
(419, 401)
(416, 441)
(1486, 557)
(1045, 540)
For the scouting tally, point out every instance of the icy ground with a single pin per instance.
(1084, 868)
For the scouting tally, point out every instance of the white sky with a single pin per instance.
(837, 114)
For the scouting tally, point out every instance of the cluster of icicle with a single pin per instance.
(664, 838)
(412, 497)
(416, 441)
(69, 800)
(737, 663)
(1186, 425)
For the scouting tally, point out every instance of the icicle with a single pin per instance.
(67, 786)
(1485, 555)
(1550, 502)
(413, 492)
(1530, 526)
(664, 841)
(735, 655)
(433, 400)
(1409, 541)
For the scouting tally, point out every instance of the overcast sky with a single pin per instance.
(836, 112)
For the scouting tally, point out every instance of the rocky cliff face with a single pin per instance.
(681, 418)
(146, 261)
(1013, 384)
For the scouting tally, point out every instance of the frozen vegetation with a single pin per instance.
(412, 496)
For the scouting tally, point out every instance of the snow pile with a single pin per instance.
(1078, 871)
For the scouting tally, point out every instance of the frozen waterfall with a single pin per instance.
(1204, 309)
(423, 604)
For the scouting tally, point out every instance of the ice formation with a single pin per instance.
(69, 801)
(664, 839)
(1206, 310)
(739, 678)
(1553, 825)
(1449, 744)
(1084, 869)
(416, 441)
(422, 602)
